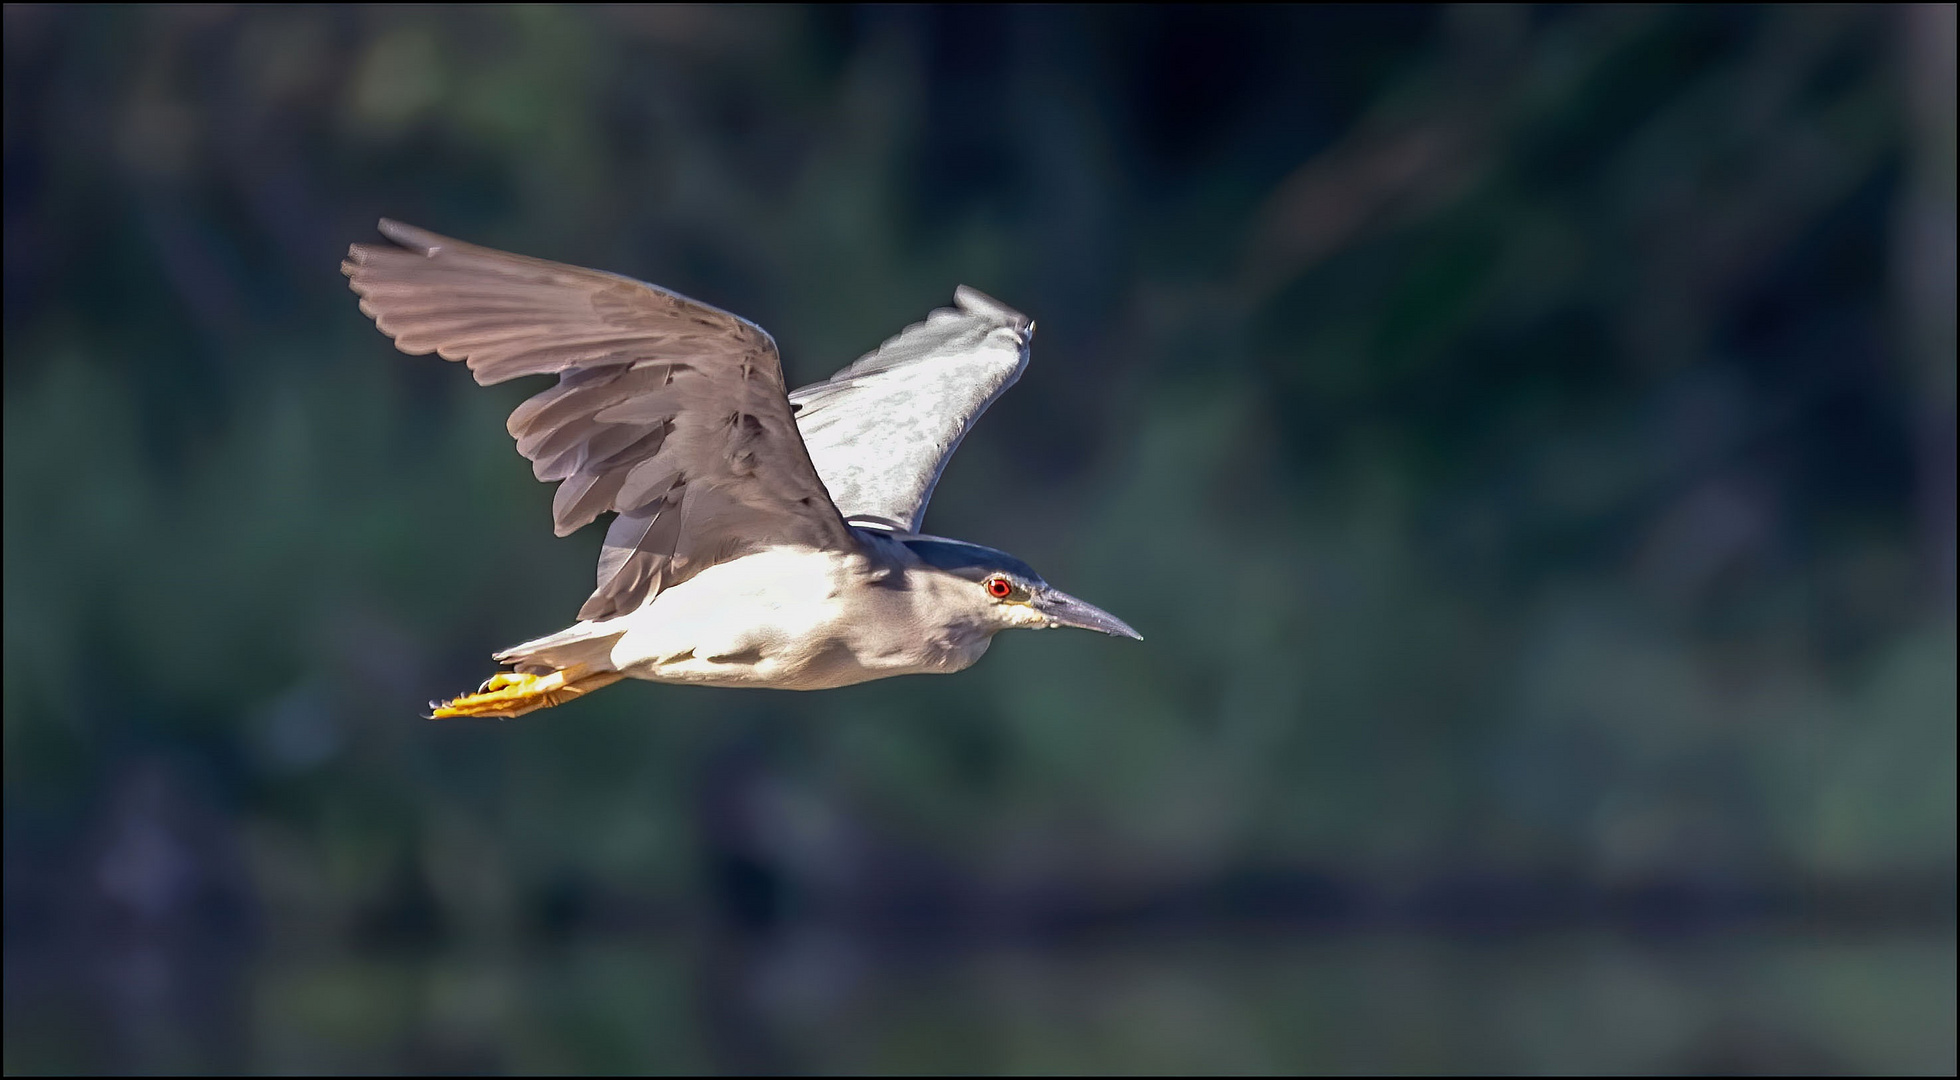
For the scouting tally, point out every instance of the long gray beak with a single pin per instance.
(1066, 610)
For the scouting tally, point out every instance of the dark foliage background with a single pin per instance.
(1525, 438)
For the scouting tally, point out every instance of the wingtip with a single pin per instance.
(973, 300)
(408, 236)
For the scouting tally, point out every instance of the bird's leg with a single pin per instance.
(509, 693)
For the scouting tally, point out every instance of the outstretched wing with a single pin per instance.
(666, 410)
(880, 431)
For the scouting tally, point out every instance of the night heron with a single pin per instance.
(762, 538)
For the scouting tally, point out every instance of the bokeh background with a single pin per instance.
(1525, 438)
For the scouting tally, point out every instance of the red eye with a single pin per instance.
(999, 587)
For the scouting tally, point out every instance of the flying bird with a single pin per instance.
(761, 537)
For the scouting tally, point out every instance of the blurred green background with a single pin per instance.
(1524, 437)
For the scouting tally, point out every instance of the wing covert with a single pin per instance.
(881, 430)
(667, 410)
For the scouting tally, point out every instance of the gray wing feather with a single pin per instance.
(881, 431)
(667, 410)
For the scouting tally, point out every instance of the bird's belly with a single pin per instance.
(817, 661)
(782, 623)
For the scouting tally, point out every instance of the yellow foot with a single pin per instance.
(508, 693)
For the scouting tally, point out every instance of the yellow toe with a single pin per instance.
(509, 693)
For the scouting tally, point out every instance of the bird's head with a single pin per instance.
(1005, 593)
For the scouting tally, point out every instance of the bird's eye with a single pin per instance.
(999, 587)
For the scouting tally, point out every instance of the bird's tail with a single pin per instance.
(549, 671)
(588, 644)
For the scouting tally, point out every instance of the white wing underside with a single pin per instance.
(881, 430)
